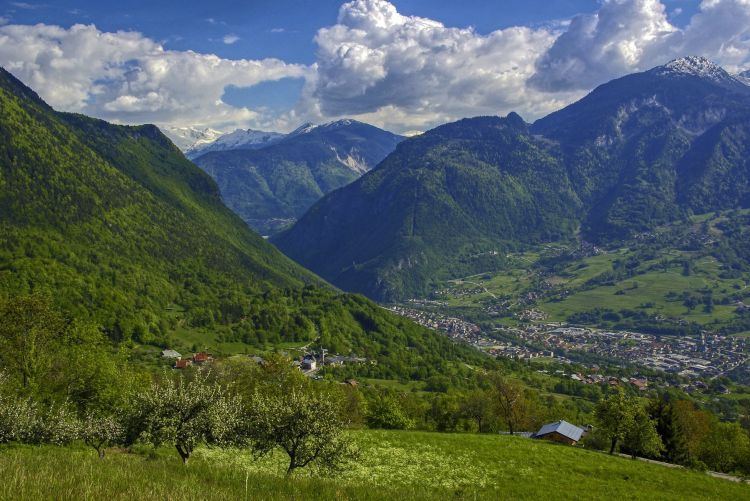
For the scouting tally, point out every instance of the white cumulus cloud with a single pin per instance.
(411, 72)
(130, 78)
(405, 73)
(408, 72)
(634, 35)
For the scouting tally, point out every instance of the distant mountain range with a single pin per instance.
(636, 152)
(272, 184)
(194, 142)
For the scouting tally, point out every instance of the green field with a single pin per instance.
(392, 465)
(655, 286)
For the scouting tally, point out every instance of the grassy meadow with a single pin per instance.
(392, 465)
(647, 290)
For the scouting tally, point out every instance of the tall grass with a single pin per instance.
(393, 465)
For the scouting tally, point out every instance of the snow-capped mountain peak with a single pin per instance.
(696, 66)
(188, 138)
(744, 77)
(244, 137)
(335, 124)
(193, 141)
(344, 122)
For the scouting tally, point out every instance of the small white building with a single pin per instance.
(309, 364)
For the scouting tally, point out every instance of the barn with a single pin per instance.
(560, 431)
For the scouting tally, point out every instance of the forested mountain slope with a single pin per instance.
(271, 187)
(119, 229)
(637, 152)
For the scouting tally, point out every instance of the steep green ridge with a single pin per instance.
(115, 218)
(120, 229)
(459, 190)
(650, 147)
(272, 186)
(637, 152)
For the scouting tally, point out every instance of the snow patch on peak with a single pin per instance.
(339, 123)
(744, 77)
(303, 129)
(309, 127)
(696, 66)
(194, 141)
(242, 137)
(188, 138)
(238, 139)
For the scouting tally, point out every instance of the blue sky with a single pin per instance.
(282, 28)
(403, 64)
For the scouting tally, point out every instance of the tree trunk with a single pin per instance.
(291, 467)
(292, 460)
(184, 454)
(614, 444)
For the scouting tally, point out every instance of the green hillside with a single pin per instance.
(119, 229)
(115, 220)
(458, 191)
(393, 465)
(638, 152)
(684, 274)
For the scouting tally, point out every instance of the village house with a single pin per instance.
(182, 363)
(170, 354)
(202, 358)
(309, 363)
(640, 384)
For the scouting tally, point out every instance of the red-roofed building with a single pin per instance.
(182, 364)
(202, 358)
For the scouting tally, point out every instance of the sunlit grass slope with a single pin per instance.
(393, 465)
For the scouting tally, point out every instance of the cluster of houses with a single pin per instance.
(199, 358)
(640, 383)
(455, 328)
(510, 350)
(531, 315)
(310, 363)
(703, 356)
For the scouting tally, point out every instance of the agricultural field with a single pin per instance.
(391, 465)
(668, 275)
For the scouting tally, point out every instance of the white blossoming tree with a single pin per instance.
(186, 414)
(306, 424)
(100, 432)
(24, 420)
